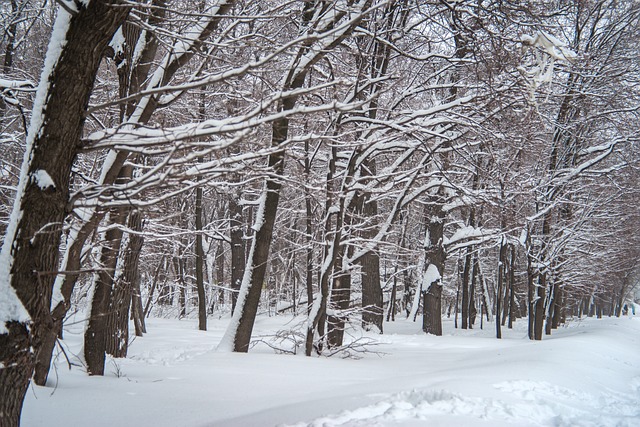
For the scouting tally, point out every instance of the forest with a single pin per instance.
(348, 162)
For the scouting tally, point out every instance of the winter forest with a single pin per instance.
(355, 168)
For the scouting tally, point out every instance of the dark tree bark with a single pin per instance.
(473, 312)
(129, 82)
(11, 38)
(466, 271)
(512, 286)
(502, 261)
(54, 142)
(202, 297)
(391, 313)
(372, 299)
(236, 224)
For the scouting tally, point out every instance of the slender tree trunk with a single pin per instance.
(512, 281)
(154, 285)
(220, 279)
(236, 224)
(11, 38)
(501, 266)
(473, 312)
(391, 313)
(318, 312)
(202, 298)
(465, 289)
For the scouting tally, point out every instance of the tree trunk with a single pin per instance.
(512, 282)
(432, 309)
(17, 367)
(502, 261)
(372, 310)
(465, 289)
(340, 301)
(99, 329)
(11, 38)
(436, 256)
(391, 313)
(96, 335)
(236, 224)
(202, 298)
(118, 318)
(539, 306)
(473, 312)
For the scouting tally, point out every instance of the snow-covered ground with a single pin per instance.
(585, 374)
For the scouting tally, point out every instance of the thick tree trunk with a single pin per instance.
(436, 256)
(43, 192)
(15, 371)
(372, 299)
(340, 301)
(432, 309)
(539, 306)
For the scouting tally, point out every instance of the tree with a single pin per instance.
(30, 249)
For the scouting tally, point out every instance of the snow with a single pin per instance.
(555, 48)
(585, 374)
(16, 84)
(465, 233)
(42, 179)
(431, 276)
(118, 41)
